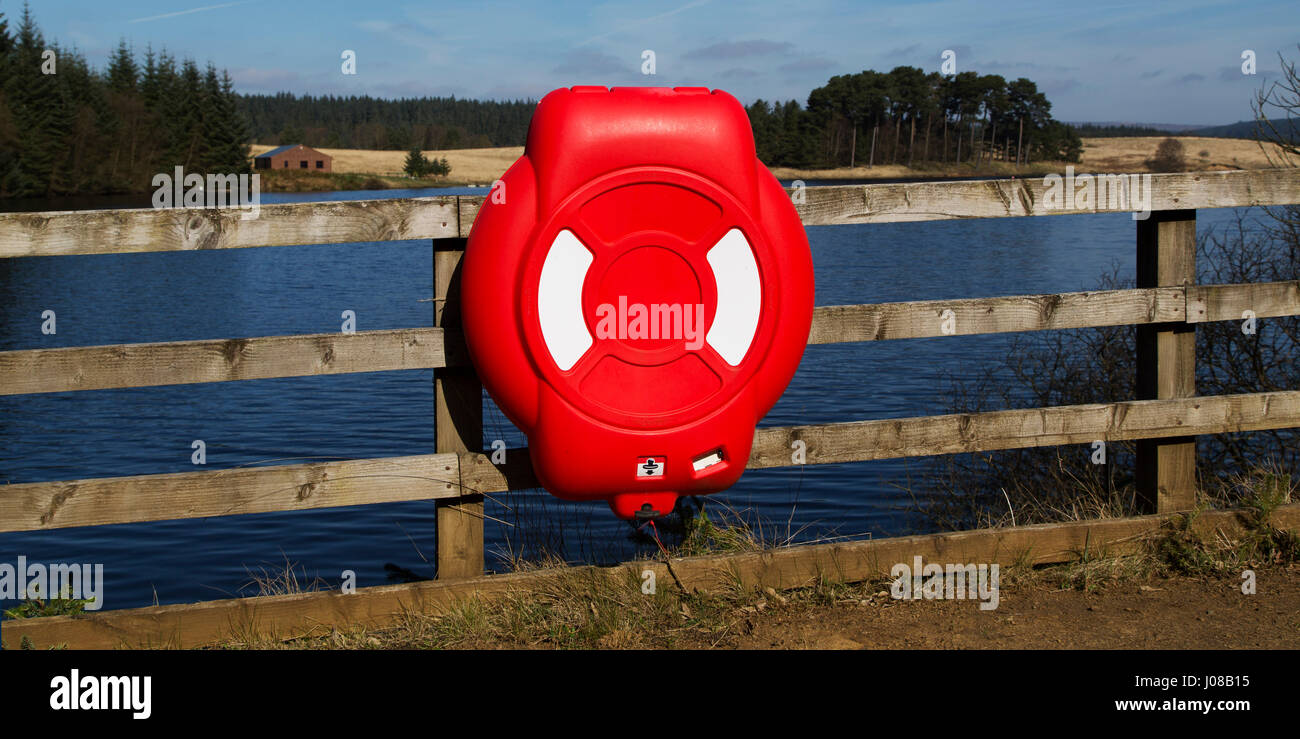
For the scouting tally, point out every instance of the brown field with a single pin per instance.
(482, 166)
(1202, 154)
(475, 166)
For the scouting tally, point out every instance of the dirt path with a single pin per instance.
(1178, 613)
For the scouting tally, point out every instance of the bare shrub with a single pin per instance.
(1168, 157)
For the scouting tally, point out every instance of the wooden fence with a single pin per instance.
(1166, 306)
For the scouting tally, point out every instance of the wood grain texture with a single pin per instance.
(946, 200)
(284, 224)
(289, 616)
(115, 231)
(45, 505)
(218, 360)
(880, 321)
(458, 421)
(1228, 302)
(858, 441)
(1165, 469)
(221, 360)
(55, 505)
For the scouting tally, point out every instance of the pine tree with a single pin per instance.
(234, 139)
(183, 109)
(417, 165)
(8, 132)
(123, 73)
(38, 114)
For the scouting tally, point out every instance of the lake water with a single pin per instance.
(177, 296)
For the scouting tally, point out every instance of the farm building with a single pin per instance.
(294, 156)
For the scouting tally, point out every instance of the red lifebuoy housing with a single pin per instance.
(637, 292)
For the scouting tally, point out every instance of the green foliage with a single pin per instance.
(80, 130)
(38, 607)
(1105, 131)
(364, 122)
(914, 117)
(418, 165)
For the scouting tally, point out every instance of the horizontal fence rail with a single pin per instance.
(451, 216)
(190, 229)
(50, 505)
(27, 371)
(218, 360)
(290, 487)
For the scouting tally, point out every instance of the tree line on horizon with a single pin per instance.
(87, 131)
(906, 116)
(364, 122)
(66, 128)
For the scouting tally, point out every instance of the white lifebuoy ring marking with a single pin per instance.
(740, 297)
(559, 299)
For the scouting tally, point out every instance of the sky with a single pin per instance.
(1153, 62)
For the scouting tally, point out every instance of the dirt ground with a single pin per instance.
(1177, 613)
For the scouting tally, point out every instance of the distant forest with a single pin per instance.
(1103, 131)
(83, 130)
(372, 123)
(907, 116)
(915, 116)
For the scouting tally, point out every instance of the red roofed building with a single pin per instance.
(294, 157)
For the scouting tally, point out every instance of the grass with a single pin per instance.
(595, 608)
(290, 181)
(39, 607)
(1181, 550)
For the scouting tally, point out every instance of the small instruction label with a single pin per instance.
(650, 466)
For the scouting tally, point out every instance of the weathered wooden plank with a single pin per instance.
(469, 206)
(220, 360)
(1229, 302)
(283, 224)
(45, 505)
(1166, 361)
(1017, 429)
(859, 441)
(288, 616)
(136, 230)
(944, 200)
(840, 323)
(217, 360)
(458, 425)
(54, 505)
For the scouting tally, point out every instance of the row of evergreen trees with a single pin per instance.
(365, 122)
(913, 117)
(66, 128)
(80, 130)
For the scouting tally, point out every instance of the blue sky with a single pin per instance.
(1170, 62)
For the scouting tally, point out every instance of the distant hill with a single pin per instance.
(1246, 130)
(1238, 130)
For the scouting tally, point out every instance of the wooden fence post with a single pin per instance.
(1166, 361)
(459, 422)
